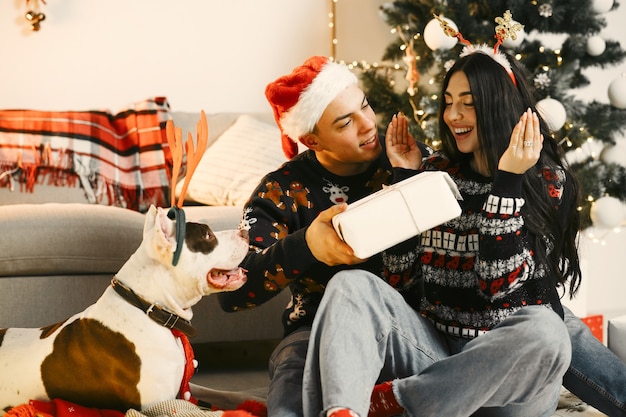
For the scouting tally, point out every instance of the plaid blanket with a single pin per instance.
(119, 159)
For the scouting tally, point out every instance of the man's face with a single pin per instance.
(346, 139)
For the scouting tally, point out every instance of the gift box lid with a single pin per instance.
(398, 212)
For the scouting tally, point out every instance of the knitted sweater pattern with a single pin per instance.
(480, 267)
(277, 217)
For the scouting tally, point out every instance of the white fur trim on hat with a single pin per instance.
(325, 87)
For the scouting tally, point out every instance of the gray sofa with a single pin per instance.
(58, 253)
(56, 259)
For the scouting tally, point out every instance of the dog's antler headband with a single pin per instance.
(506, 28)
(175, 141)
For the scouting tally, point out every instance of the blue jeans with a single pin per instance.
(286, 367)
(596, 375)
(364, 332)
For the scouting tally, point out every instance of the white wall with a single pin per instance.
(198, 53)
(215, 55)
(606, 279)
(361, 32)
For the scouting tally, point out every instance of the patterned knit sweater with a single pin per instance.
(480, 267)
(277, 216)
(474, 270)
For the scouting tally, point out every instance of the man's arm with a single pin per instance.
(278, 248)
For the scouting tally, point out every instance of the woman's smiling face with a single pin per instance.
(459, 113)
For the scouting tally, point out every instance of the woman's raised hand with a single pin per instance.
(525, 145)
(402, 150)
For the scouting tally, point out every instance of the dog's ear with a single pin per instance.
(160, 230)
(150, 219)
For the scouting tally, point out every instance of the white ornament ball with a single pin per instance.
(510, 43)
(595, 45)
(436, 38)
(601, 6)
(617, 93)
(553, 112)
(607, 212)
(614, 154)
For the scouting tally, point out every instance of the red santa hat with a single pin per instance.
(299, 99)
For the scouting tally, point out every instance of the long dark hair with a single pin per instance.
(499, 103)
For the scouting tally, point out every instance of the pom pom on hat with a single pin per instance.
(300, 98)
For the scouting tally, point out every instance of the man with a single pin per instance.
(293, 243)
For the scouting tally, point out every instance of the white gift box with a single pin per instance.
(616, 333)
(398, 212)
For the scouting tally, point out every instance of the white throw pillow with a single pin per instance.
(233, 166)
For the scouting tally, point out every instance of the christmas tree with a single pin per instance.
(409, 78)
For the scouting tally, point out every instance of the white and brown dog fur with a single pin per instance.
(112, 355)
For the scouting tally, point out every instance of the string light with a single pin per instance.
(419, 115)
(559, 58)
(333, 32)
(601, 239)
(364, 65)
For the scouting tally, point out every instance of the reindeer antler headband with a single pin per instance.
(506, 28)
(175, 141)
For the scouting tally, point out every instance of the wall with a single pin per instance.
(605, 277)
(200, 54)
(219, 56)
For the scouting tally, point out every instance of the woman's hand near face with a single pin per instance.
(525, 145)
(402, 150)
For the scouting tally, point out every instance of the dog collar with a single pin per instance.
(154, 311)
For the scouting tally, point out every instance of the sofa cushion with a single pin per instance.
(217, 123)
(232, 167)
(53, 238)
(217, 217)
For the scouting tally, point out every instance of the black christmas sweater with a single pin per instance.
(480, 267)
(277, 216)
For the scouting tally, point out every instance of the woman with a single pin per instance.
(486, 336)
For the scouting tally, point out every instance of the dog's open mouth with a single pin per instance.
(226, 280)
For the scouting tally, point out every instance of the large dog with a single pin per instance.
(126, 350)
